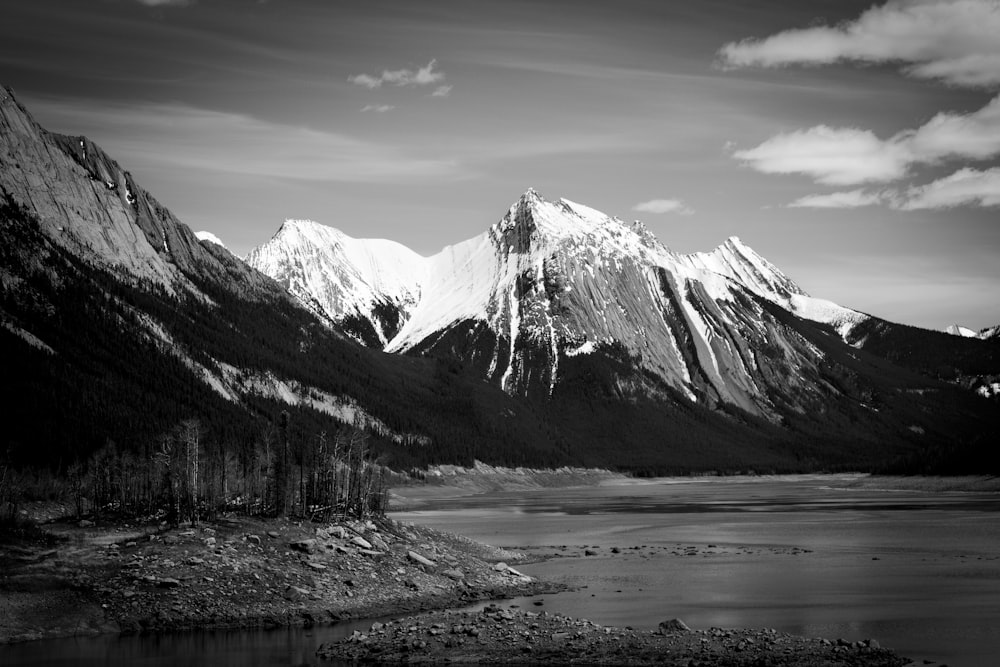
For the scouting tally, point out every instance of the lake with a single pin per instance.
(812, 555)
(919, 571)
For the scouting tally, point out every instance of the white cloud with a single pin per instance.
(851, 156)
(441, 91)
(423, 76)
(951, 40)
(966, 187)
(849, 199)
(366, 80)
(377, 108)
(833, 156)
(975, 135)
(663, 206)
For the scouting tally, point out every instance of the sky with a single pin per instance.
(856, 145)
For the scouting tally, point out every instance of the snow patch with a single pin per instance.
(28, 337)
(211, 238)
(341, 408)
(989, 390)
(587, 348)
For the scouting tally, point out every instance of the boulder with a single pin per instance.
(359, 541)
(455, 574)
(500, 567)
(419, 560)
(673, 625)
(168, 582)
(294, 593)
(309, 546)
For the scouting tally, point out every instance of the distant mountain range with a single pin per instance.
(558, 336)
(965, 332)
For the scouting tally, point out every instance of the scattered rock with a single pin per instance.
(168, 582)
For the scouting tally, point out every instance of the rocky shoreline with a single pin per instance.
(81, 579)
(497, 635)
(77, 578)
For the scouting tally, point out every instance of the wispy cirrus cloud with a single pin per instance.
(166, 3)
(954, 41)
(423, 76)
(966, 187)
(661, 206)
(848, 199)
(186, 137)
(442, 91)
(377, 108)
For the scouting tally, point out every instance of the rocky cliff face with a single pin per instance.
(87, 203)
(568, 281)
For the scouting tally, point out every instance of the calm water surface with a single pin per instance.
(918, 571)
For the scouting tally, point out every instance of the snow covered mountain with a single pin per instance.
(965, 332)
(601, 346)
(368, 286)
(555, 280)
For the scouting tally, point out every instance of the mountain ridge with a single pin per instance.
(577, 339)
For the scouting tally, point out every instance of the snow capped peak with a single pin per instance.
(343, 277)
(210, 237)
(738, 261)
(958, 330)
(295, 226)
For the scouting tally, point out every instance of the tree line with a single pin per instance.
(184, 476)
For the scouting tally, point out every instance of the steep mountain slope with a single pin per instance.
(116, 323)
(740, 263)
(600, 346)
